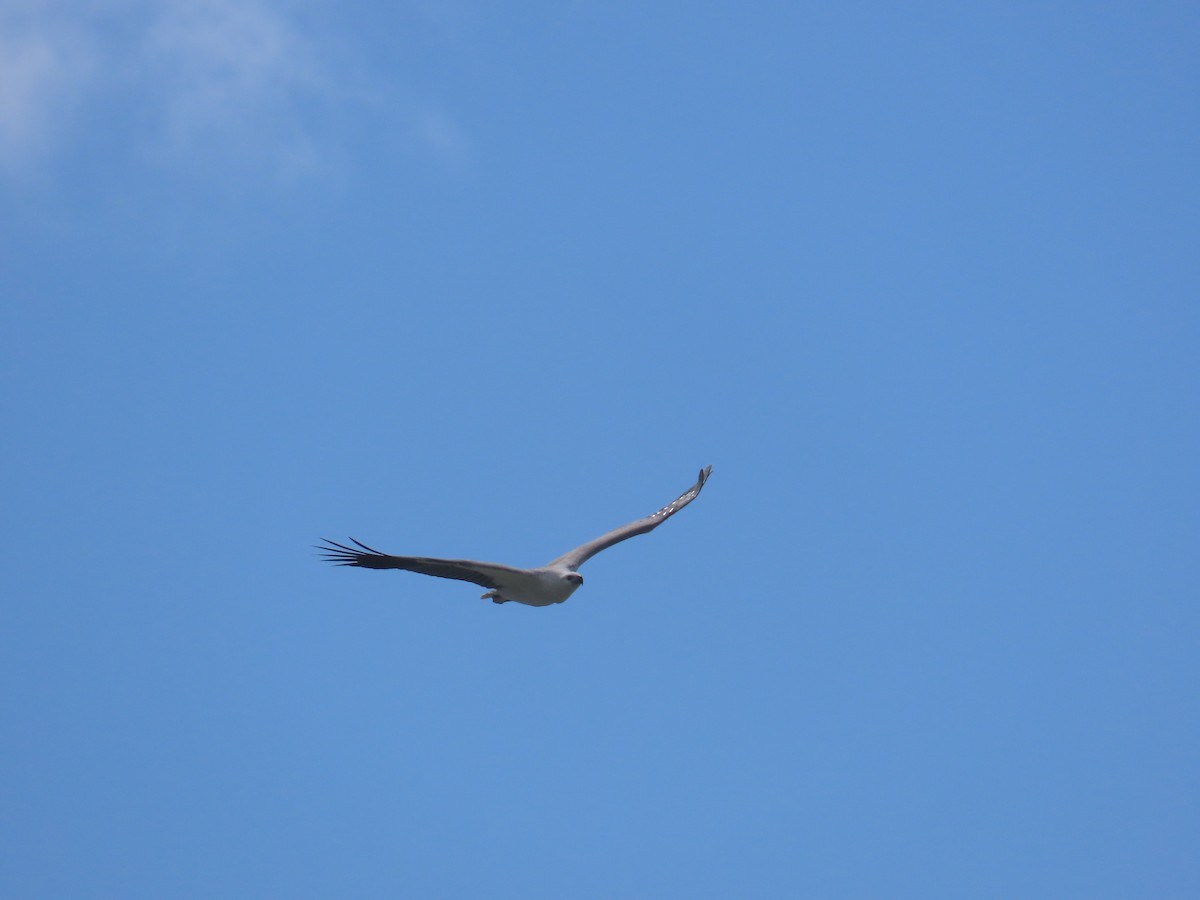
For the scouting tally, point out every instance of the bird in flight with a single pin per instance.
(544, 586)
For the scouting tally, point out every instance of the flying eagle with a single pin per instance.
(552, 583)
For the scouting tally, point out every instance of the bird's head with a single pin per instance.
(574, 578)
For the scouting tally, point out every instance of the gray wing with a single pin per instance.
(484, 574)
(583, 553)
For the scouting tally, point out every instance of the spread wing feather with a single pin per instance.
(484, 574)
(581, 554)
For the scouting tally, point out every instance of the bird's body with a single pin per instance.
(537, 587)
(543, 586)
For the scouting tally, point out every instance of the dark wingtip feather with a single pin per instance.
(368, 549)
(341, 555)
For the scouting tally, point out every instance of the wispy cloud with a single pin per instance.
(235, 77)
(229, 81)
(440, 134)
(43, 74)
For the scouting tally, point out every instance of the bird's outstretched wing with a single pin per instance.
(488, 575)
(581, 554)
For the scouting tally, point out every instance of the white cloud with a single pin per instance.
(218, 83)
(439, 133)
(233, 78)
(43, 73)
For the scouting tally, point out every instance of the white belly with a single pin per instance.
(541, 587)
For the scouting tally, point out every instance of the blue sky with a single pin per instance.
(920, 283)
